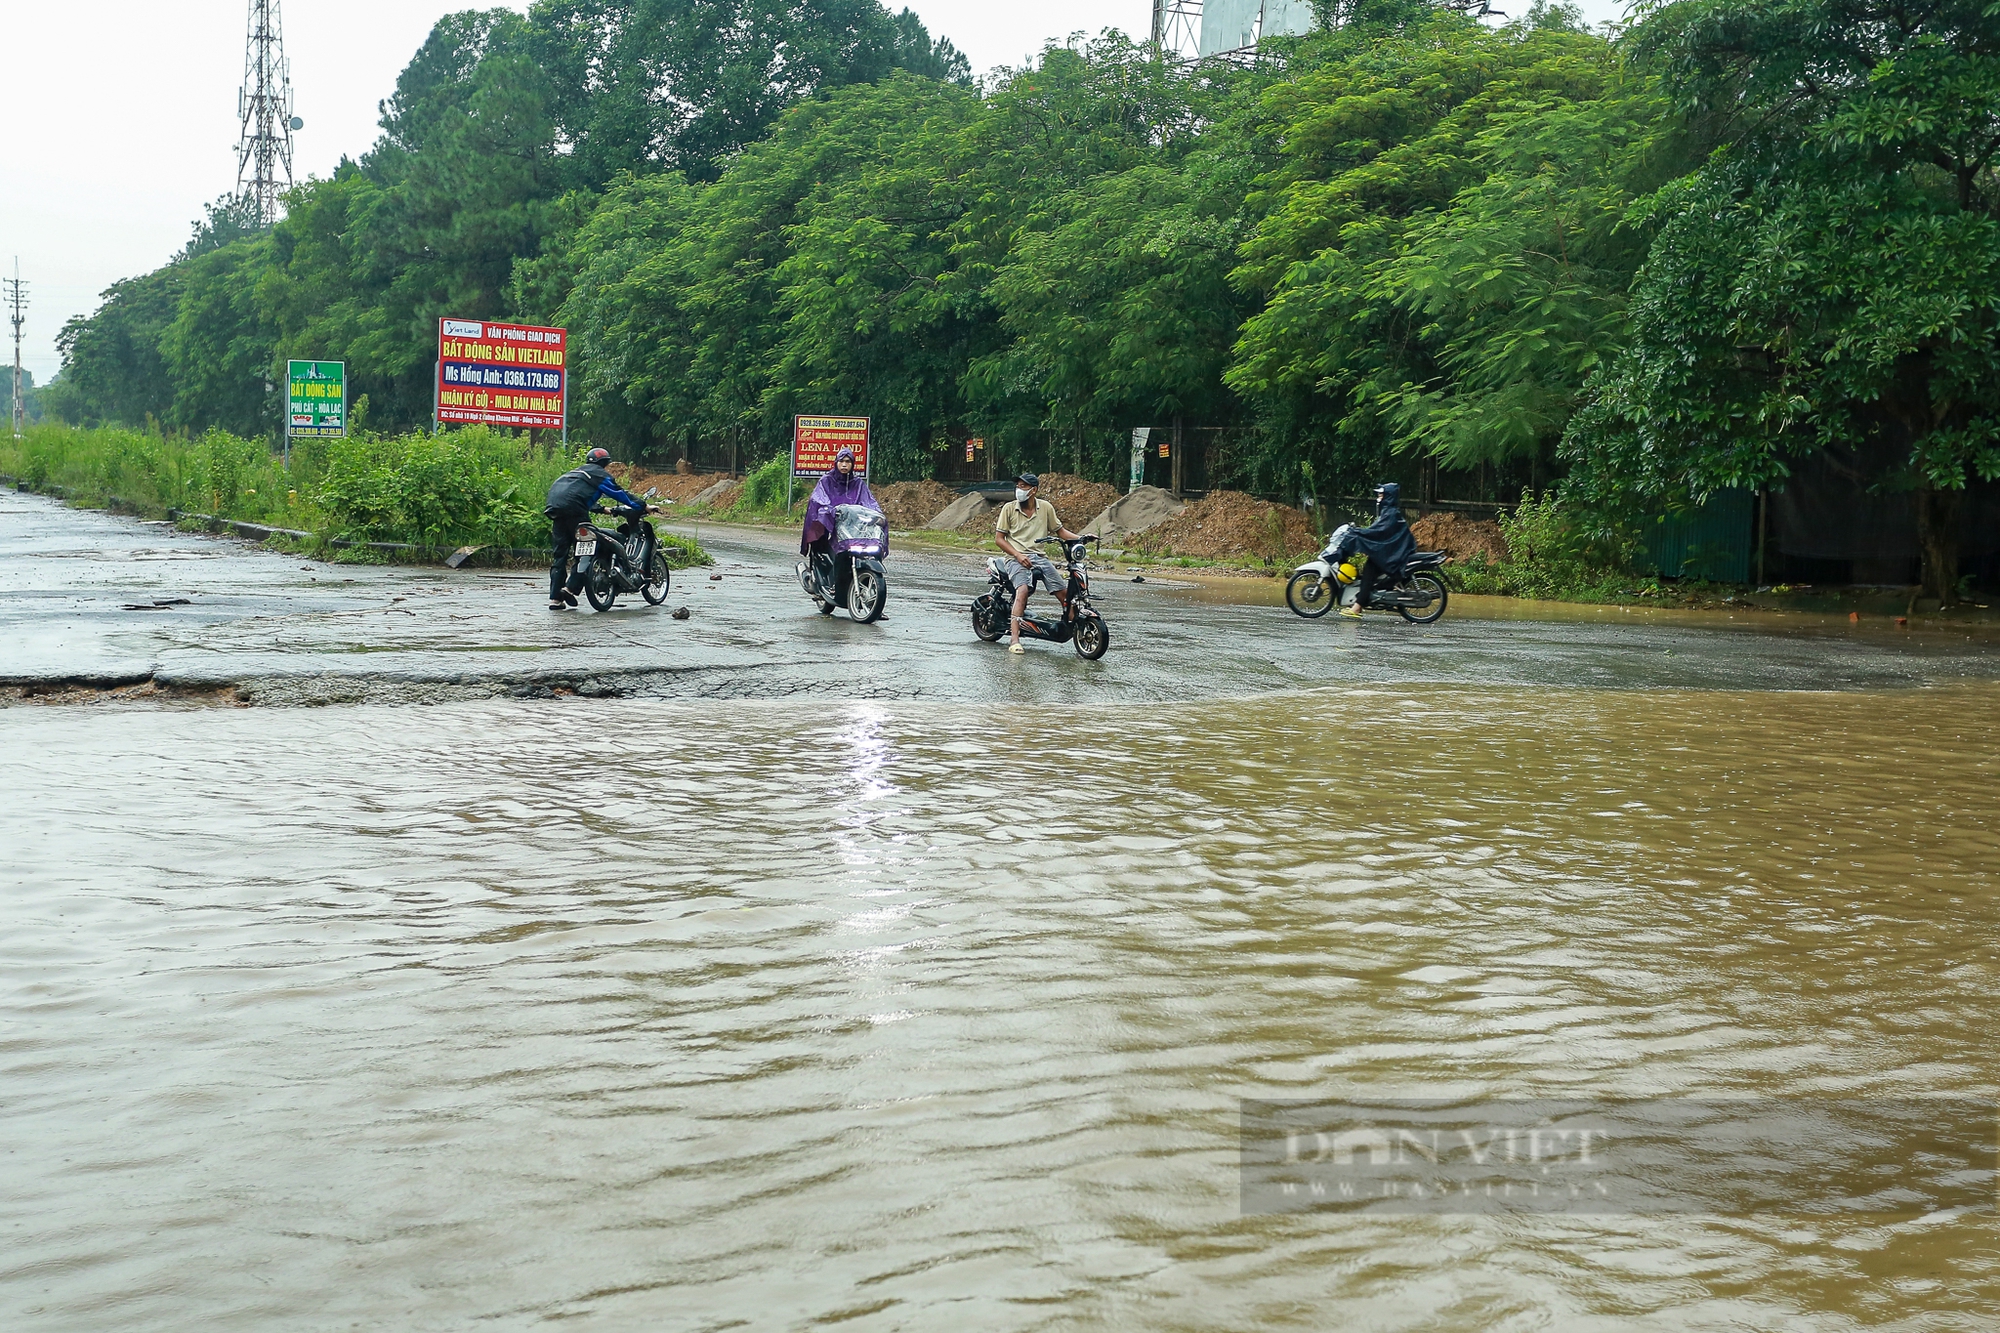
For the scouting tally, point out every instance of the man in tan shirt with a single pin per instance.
(1024, 521)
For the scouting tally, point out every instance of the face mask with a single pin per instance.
(1020, 496)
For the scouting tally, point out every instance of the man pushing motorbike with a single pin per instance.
(1023, 522)
(1387, 542)
(568, 508)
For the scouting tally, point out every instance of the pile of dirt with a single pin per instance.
(911, 504)
(1230, 523)
(679, 487)
(1460, 537)
(1075, 501)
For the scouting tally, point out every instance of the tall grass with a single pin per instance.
(761, 498)
(469, 486)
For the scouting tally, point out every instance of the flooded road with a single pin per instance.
(86, 607)
(910, 1015)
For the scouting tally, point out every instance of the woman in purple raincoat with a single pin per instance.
(844, 568)
(841, 486)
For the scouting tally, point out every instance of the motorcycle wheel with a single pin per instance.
(1092, 637)
(659, 580)
(600, 592)
(988, 626)
(868, 596)
(1311, 594)
(1435, 585)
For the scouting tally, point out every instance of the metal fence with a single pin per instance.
(1712, 542)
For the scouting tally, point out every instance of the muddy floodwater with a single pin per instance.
(913, 1016)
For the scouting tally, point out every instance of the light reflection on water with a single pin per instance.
(907, 1015)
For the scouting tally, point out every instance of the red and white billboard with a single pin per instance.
(815, 441)
(502, 374)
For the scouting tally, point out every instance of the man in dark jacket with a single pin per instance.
(1387, 542)
(568, 508)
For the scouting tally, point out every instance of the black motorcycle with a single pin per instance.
(628, 559)
(1418, 595)
(849, 571)
(1078, 625)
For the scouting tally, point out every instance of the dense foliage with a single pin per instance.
(1660, 262)
(1830, 278)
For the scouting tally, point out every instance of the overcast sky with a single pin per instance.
(122, 116)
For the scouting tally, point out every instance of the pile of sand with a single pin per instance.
(911, 504)
(1140, 508)
(1075, 501)
(962, 511)
(1460, 537)
(1230, 523)
(720, 494)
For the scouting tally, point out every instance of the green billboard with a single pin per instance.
(316, 399)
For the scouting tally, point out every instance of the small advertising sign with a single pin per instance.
(502, 374)
(315, 399)
(815, 440)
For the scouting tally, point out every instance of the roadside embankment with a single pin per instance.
(471, 495)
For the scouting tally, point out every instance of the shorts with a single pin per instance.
(1042, 571)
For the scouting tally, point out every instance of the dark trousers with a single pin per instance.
(562, 536)
(1371, 574)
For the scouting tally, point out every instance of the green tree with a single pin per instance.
(1402, 249)
(112, 367)
(500, 133)
(1830, 280)
(1518, 287)
(1085, 231)
(683, 85)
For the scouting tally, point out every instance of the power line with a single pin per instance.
(17, 311)
(264, 106)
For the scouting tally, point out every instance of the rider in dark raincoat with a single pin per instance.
(1387, 542)
(841, 486)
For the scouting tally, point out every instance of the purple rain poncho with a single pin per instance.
(832, 491)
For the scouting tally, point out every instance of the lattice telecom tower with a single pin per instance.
(1177, 27)
(264, 105)
(17, 312)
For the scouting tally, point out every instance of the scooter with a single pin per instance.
(1418, 596)
(1079, 624)
(629, 559)
(850, 574)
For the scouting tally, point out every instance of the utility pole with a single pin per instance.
(264, 106)
(17, 307)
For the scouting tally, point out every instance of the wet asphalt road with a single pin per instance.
(281, 629)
